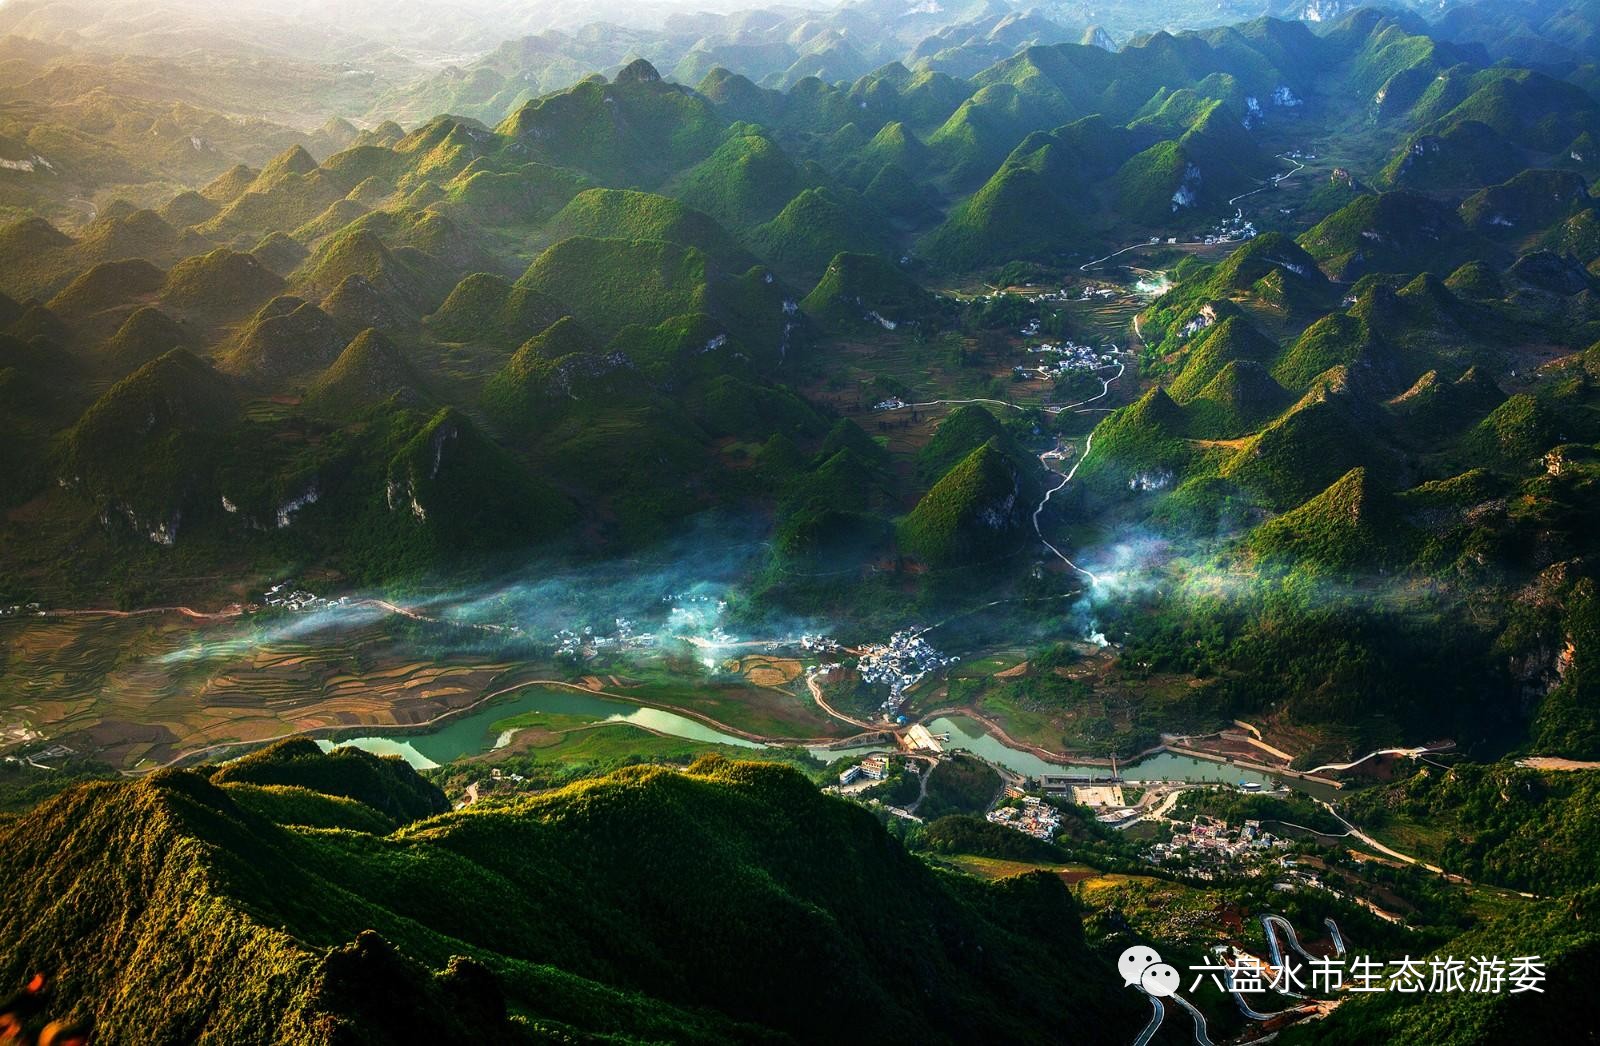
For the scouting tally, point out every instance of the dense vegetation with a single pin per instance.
(1495, 823)
(501, 921)
(802, 276)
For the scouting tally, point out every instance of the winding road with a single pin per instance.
(1078, 407)
(1093, 578)
(822, 703)
(1273, 926)
(1277, 180)
(1159, 1013)
(1410, 753)
(1356, 833)
(1201, 1037)
(232, 610)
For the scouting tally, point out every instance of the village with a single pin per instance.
(1208, 845)
(1065, 357)
(286, 595)
(1029, 815)
(586, 643)
(899, 664)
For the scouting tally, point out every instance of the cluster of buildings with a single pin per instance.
(1032, 816)
(694, 602)
(285, 596)
(1232, 230)
(872, 768)
(817, 643)
(18, 609)
(1068, 356)
(1207, 840)
(586, 643)
(52, 752)
(900, 664)
(892, 403)
(696, 614)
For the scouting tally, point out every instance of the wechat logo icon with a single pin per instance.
(1142, 967)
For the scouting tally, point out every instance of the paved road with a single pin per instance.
(1338, 938)
(1275, 925)
(1201, 1037)
(233, 610)
(1277, 179)
(1550, 762)
(1157, 1015)
(1105, 390)
(1094, 579)
(1357, 833)
(1410, 753)
(816, 693)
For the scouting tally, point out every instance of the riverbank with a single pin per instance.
(1196, 753)
(398, 733)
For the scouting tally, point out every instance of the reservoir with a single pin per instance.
(969, 735)
(474, 733)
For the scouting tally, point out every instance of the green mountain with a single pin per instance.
(746, 181)
(962, 432)
(1146, 436)
(287, 337)
(816, 225)
(143, 336)
(520, 195)
(1353, 525)
(1335, 340)
(280, 252)
(1434, 409)
(976, 511)
(1561, 931)
(220, 284)
(144, 447)
(316, 931)
(559, 365)
(459, 492)
(866, 290)
(1238, 399)
(1036, 201)
(1392, 232)
(369, 370)
(607, 284)
(1304, 450)
(625, 214)
(403, 283)
(1528, 203)
(638, 127)
(486, 307)
(106, 286)
(386, 786)
(1515, 432)
(1231, 340)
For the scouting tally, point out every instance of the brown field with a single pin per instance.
(138, 692)
(141, 692)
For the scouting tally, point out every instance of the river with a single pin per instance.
(969, 735)
(474, 733)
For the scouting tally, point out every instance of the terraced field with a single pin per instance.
(144, 691)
